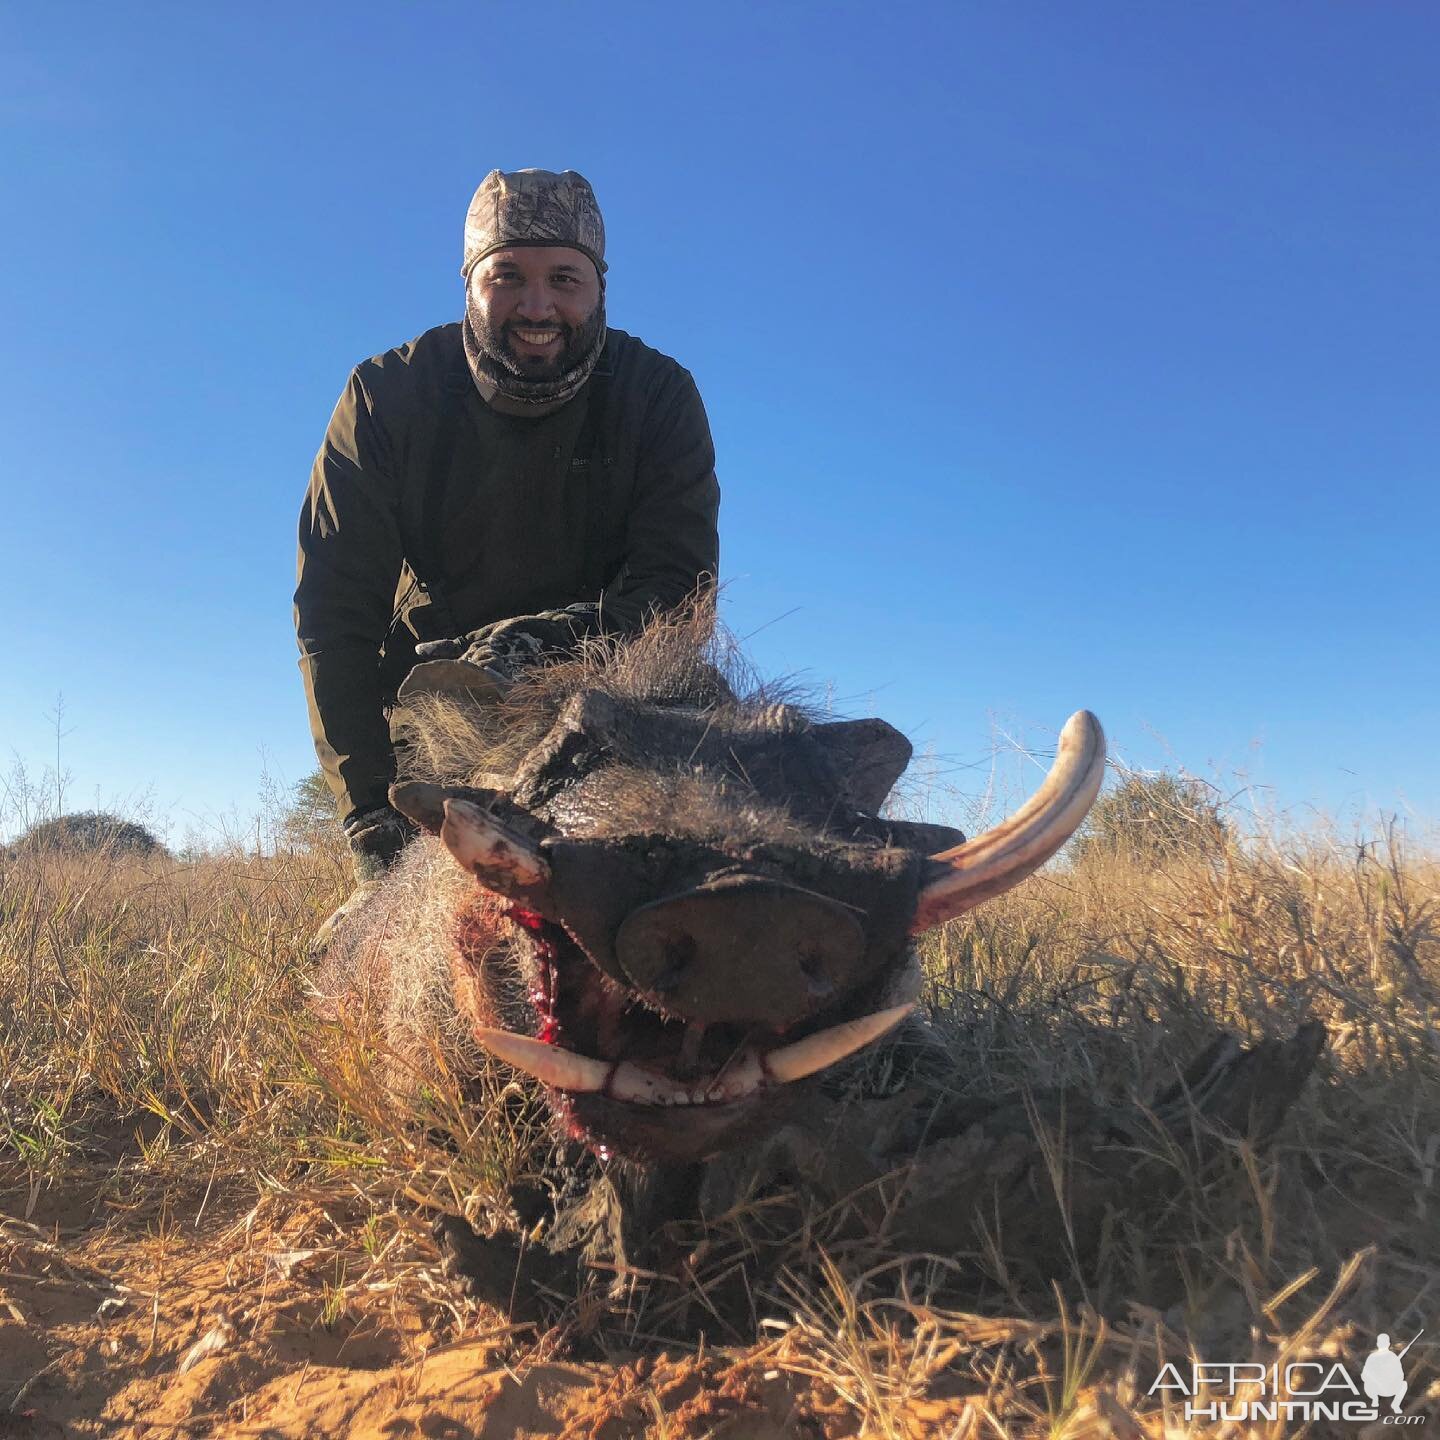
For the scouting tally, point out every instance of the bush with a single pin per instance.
(90, 830)
(1151, 818)
(305, 817)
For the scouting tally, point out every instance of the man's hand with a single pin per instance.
(518, 640)
(376, 837)
(485, 662)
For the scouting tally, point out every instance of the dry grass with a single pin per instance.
(162, 1079)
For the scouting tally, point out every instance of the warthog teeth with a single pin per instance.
(815, 1052)
(644, 1087)
(742, 1077)
(580, 1074)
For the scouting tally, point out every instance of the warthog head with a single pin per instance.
(704, 906)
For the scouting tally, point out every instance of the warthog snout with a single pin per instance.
(743, 949)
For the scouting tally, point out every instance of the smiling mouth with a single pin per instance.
(538, 338)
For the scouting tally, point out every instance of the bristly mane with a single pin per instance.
(681, 659)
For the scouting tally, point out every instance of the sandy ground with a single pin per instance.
(298, 1316)
(152, 1325)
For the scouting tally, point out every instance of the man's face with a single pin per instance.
(530, 306)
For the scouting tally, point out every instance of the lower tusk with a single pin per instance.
(549, 1063)
(583, 1075)
(630, 1083)
(815, 1052)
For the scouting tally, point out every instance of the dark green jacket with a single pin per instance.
(515, 521)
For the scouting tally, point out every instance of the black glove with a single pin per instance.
(376, 836)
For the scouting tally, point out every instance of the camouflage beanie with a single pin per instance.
(532, 208)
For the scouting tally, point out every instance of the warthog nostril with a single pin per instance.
(679, 956)
(812, 967)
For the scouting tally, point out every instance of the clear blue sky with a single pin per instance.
(1057, 353)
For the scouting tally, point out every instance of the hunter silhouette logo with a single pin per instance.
(1383, 1376)
(1303, 1390)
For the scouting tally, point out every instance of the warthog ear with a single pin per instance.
(425, 804)
(476, 683)
(919, 835)
(869, 755)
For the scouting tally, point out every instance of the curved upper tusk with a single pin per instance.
(1001, 858)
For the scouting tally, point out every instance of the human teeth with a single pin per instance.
(815, 1052)
(537, 337)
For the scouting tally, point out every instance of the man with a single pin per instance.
(494, 490)
(1384, 1376)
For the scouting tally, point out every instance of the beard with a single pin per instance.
(494, 360)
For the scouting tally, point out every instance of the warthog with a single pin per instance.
(677, 908)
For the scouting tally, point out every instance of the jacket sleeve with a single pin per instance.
(349, 563)
(671, 542)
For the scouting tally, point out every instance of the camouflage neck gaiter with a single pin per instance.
(495, 368)
(532, 207)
